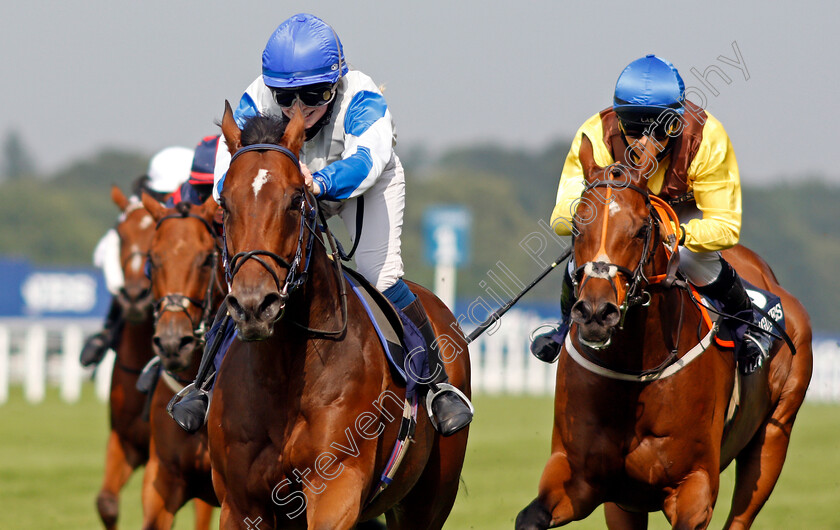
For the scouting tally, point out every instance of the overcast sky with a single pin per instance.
(78, 76)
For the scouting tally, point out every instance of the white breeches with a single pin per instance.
(378, 255)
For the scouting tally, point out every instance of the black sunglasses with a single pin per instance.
(309, 96)
(636, 126)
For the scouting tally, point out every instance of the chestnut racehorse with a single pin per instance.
(640, 417)
(128, 442)
(305, 410)
(186, 270)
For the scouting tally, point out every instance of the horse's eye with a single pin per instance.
(208, 261)
(297, 200)
(223, 204)
(642, 233)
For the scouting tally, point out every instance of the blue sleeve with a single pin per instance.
(367, 149)
(364, 110)
(339, 179)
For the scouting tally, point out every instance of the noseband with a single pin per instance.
(635, 294)
(179, 302)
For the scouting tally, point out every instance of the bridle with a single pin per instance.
(298, 268)
(178, 302)
(636, 282)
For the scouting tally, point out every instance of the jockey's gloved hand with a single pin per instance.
(672, 234)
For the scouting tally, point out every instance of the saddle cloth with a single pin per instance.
(766, 306)
(397, 333)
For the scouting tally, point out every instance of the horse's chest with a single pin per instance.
(654, 460)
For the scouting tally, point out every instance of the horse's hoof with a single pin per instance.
(108, 507)
(533, 517)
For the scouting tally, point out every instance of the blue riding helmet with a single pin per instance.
(645, 89)
(303, 50)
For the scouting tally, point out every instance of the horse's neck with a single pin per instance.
(669, 322)
(320, 296)
(135, 347)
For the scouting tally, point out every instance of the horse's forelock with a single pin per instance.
(183, 208)
(263, 129)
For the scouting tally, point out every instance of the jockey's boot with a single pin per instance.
(97, 345)
(546, 346)
(189, 406)
(450, 408)
(728, 289)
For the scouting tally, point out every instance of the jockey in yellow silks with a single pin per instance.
(695, 171)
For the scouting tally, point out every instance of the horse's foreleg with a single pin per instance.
(162, 495)
(232, 518)
(203, 514)
(336, 504)
(618, 517)
(689, 505)
(563, 498)
(117, 472)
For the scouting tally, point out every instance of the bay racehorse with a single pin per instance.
(641, 417)
(305, 410)
(186, 273)
(128, 441)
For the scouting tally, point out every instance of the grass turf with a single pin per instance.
(52, 454)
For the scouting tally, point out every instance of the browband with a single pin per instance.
(266, 147)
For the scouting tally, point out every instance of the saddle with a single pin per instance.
(396, 332)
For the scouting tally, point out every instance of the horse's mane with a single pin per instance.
(263, 129)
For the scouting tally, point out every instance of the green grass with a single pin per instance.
(52, 454)
(509, 445)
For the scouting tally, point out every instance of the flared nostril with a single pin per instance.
(185, 342)
(608, 314)
(582, 311)
(270, 307)
(235, 308)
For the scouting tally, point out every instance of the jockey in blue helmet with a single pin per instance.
(691, 165)
(349, 164)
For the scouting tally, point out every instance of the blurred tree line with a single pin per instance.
(58, 218)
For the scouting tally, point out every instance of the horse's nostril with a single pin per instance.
(582, 311)
(270, 306)
(185, 341)
(235, 308)
(608, 314)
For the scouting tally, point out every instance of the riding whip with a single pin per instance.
(497, 314)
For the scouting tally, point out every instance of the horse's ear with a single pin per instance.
(155, 208)
(119, 198)
(587, 157)
(295, 133)
(208, 209)
(230, 130)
